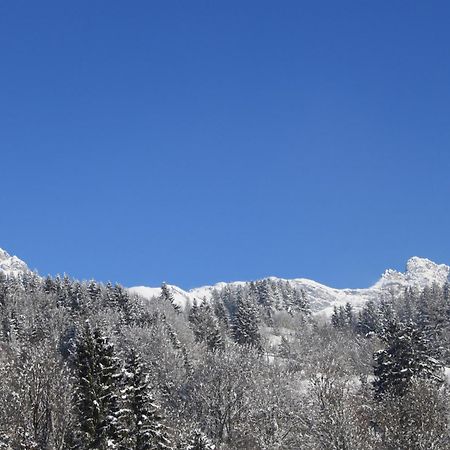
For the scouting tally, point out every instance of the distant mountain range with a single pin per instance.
(420, 272)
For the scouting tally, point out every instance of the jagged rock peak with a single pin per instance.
(11, 265)
(424, 271)
(419, 272)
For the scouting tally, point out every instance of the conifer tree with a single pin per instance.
(193, 315)
(407, 355)
(199, 441)
(108, 295)
(167, 296)
(387, 316)
(97, 376)
(349, 315)
(94, 291)
(141, 423)
(205, 326)
(339, 317)
(77, 297)
(368, 320)
(220, 311)
(49, 285)
(245, 323)
(300, 302)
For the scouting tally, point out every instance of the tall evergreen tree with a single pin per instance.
(245, 323)
(167, 296)
(220, 311)
(407, 355)
(368, 319)
(141, 423)
(206, 326)
(97, 378)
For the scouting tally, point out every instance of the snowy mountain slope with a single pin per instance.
(420, 272)
(182, 297)
(11, 265)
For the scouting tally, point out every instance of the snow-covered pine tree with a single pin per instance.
(141, 424)
(431, 314)
(387, 316)
(343, 317)
(206, 326)
(245, 323)
(177, 345)
(349, 315)
(266, 298)
(338, 319)
(211, 329)
(97, 372)
(194, 313)
(77, 296)
(199, 441)
(407, 355)
(167, 296)
(300, 301)
(108, 295)
(121, 296)
(129, 309)
(220, 311)
(49, 286)
(95, 293)
(368, 319)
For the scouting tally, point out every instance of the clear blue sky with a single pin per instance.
(199, 141)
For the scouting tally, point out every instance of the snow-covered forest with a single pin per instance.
(92, 366)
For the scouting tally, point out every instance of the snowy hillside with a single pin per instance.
(420, 272)
(11, 265)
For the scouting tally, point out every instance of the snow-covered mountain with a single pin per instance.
(420, 272)
(11, 265)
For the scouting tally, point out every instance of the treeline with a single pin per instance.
(88, 366)
(426, 310)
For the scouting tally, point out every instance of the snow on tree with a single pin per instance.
(206, 326)
(245, 323)
(167, 296)
(141, 425)
(199, 441)
(98, 373)
(406, 356)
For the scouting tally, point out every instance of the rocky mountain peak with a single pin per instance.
(11, 265)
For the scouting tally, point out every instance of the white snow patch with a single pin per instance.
(11, 265)
(420, 272)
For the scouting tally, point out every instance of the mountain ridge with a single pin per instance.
(419, 272)
(11, 265)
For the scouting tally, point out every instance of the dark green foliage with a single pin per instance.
(368, 320)
(245, 324)
(407, 355)
(343, 317)
(97, 379)
(141, 423)
(205, 326)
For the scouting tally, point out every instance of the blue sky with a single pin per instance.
(194, 142)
